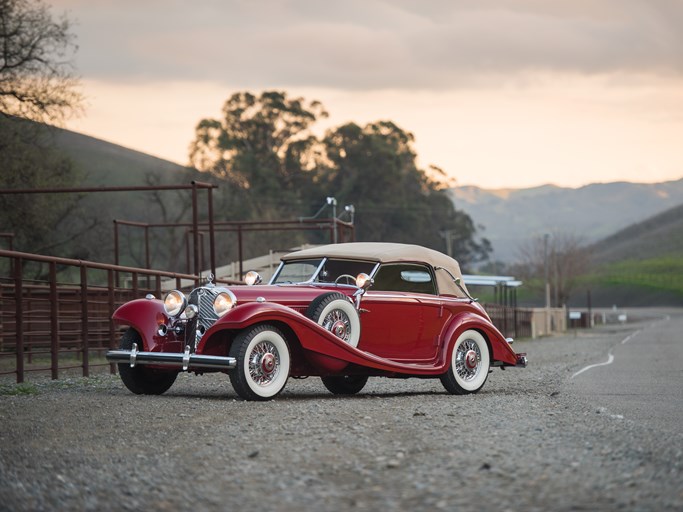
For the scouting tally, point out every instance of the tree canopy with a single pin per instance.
(264, 146)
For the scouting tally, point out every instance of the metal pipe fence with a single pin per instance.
(55, 313)
(511, 321)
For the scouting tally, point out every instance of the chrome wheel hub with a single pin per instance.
(338, 324)
(467, 360)
(264, 363)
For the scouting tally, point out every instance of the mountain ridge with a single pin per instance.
(593, 211)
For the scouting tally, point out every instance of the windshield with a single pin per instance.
(323, 270)
(297, 271)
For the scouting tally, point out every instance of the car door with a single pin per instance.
(399, 314)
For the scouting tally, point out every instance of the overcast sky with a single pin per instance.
(498, 93)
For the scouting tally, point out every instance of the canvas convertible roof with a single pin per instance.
(386, 253)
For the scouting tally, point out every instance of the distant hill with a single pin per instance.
(641, 265)
(657, 237)
(512, 216)
(108, 164)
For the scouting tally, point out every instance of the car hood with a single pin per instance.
(294, 296)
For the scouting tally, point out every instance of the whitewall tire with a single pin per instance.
(469, 364)
(263, 362)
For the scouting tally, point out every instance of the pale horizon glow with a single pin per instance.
(569, 107)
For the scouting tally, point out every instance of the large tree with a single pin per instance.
(36, 73)
(262, 144)
(264, 151)
(374, 167)
(264, 147)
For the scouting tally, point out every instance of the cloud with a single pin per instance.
(373, 44)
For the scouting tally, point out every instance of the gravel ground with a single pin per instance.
(526, 442)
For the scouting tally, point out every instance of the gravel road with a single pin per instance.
(526, 442)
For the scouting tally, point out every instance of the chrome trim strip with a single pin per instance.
(186, 358)
(277, 271)
(171, 359)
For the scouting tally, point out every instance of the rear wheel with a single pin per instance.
(139, 379)
(262, 362)
(335, 313)
(345, 385)
(469, 366)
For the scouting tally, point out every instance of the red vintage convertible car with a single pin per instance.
(342, 312)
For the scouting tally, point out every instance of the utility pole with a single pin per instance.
(332, 201)
(447, 235)
(547, 283)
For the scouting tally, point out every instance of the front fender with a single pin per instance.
(144, 316)
(500, 348)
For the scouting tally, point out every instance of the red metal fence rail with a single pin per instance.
(51, 323)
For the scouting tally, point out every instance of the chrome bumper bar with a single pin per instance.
(185, 360)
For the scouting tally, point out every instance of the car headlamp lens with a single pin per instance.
(174, 303)
(251, 278)
(224, 302)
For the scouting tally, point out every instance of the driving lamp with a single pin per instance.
(252, 277)
(363, 281)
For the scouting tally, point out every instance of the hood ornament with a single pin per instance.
(209, 279)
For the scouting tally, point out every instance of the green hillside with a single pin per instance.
(641, 265)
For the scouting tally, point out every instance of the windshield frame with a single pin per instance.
(313, 279)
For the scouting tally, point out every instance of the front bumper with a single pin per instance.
(186, 360)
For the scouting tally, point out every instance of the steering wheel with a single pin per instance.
(347, 277)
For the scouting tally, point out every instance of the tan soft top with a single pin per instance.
(386, 253)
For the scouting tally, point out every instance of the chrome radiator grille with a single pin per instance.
(203, 298)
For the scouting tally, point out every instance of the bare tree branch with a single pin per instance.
(37, 80)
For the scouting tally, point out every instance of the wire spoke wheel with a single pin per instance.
(469, 364)
(468, 360)
(263, 362)
(339, 324)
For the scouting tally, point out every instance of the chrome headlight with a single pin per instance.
(174, 303)
(224, 302)
(251, 278)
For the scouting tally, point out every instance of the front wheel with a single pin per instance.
(141, 380)
(262, 363)
(469, 366)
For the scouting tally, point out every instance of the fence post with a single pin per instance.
(84, 321)
(54, 322)
(18, 317)
(110, 286)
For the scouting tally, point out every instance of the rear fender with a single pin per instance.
(500, 348)
(144, 316)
